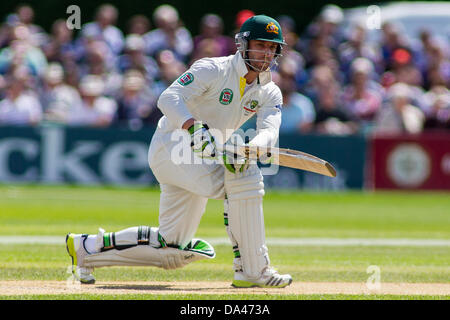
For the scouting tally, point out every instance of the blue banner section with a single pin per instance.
(53, 155)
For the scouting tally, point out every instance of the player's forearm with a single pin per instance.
(267, 127)
(265, 138)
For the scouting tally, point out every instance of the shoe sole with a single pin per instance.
(247, 284)
(70, 247)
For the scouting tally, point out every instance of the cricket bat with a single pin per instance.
(284, 157)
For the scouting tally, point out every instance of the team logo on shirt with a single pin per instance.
(251, 107)
(185, 79)
(226, 96)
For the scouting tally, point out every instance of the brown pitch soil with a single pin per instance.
(37, 287)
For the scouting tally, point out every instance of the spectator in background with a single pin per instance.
(20, 106)
(330, 17)
(409, 74)
(170, 69)
(56, 97)
(97, 64)
(323, 55)
(403, 70)
(61, 46)
(357, 47)
(3, 85)
(438, 113)
(436, 78)
(438, 66)
(362, 98)
(320, 59)
(21, 52)
(136, 103)
(138, 24)
(241, 17)
(135, 58)
(387, 79)
(104, 29)
(5, 33)
(169, 34)
(400, 61)
(321, 78)
(330, 119)
(207, 48)
(423, 47)
(89, 43)
(25, 16)
(96, 110)
(72, 74)
(289, 51)
(298, 112)
(399, 115)
(394, 46)
(288, 25)
(324, 31)
(412, 76)
(211, 28)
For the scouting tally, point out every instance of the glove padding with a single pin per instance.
(235, 163)
(202, 142)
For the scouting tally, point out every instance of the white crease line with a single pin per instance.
(292, 242)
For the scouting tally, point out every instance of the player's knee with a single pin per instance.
(211, 190)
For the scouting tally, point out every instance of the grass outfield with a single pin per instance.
(55, 211)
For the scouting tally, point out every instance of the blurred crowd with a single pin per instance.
(333, 82)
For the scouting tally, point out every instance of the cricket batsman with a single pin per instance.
(206, 104)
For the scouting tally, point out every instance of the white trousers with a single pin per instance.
(185, 189)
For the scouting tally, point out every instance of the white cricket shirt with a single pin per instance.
(213, 91)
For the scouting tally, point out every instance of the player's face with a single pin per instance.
(261, 53)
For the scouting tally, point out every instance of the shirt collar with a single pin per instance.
(241, 68)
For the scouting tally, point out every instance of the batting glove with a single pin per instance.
(234, 162)
(202, 142)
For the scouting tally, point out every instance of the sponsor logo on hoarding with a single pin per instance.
(408, 165)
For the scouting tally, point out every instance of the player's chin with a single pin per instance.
(260, 67)
(265, 67)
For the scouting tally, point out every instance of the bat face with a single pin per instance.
(305, 161)
(290, 158)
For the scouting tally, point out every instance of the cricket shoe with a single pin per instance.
(77, 251)
(270, 278)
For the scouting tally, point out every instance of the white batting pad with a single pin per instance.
(246, 220)
(145, 255)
